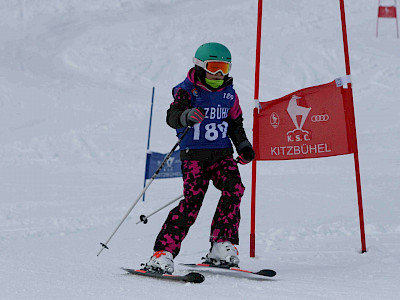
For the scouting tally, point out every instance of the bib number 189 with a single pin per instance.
(212, 131)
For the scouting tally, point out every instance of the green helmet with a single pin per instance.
(213, 51)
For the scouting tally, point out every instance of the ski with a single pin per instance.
(190, 277)
(263, 272)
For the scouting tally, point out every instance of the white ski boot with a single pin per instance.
(224, 253)
(161, 262)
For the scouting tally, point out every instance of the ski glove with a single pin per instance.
(182, 95)
(246, 153)
(192, 116)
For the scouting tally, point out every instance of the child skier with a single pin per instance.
(207, 102)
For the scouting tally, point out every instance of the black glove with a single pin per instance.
(192, 116)
(182, 95)
(246, 153)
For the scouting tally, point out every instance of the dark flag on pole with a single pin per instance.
(172, 167)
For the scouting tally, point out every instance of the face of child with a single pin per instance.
(217, 76)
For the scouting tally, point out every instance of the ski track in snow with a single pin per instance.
(75, 89)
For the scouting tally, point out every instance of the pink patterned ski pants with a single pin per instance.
(196, 177)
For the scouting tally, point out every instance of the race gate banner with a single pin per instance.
(387, 12)
(171, 169)
(308, 123)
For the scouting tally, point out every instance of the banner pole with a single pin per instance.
(354, 134)
(255, 133)
(258, 51)
(377, 18)
(151, 117)
(397, 23)
(253, 187)
(148, 138)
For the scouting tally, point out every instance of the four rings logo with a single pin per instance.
(320, 118)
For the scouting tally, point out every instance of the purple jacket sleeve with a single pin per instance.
(236, 110)
(176, 109)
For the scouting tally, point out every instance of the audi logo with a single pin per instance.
(320, 118)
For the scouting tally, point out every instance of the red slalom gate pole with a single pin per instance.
(354, 134)
(255, 134)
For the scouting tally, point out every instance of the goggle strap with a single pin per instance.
(199, 63)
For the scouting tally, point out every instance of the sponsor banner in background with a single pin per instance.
(308, 123)
(171, 169)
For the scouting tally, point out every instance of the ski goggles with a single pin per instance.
(213, 66)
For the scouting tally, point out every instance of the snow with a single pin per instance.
(75, 91)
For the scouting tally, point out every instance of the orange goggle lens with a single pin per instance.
(216, 66)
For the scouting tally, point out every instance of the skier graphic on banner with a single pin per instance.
(299, 115)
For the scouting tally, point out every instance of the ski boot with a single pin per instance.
(224, 253)
(161, 262)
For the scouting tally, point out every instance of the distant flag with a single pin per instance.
(387, 12)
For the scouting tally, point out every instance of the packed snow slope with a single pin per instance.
(75, 92)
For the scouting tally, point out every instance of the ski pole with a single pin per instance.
(104, 245)
(144, 218)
